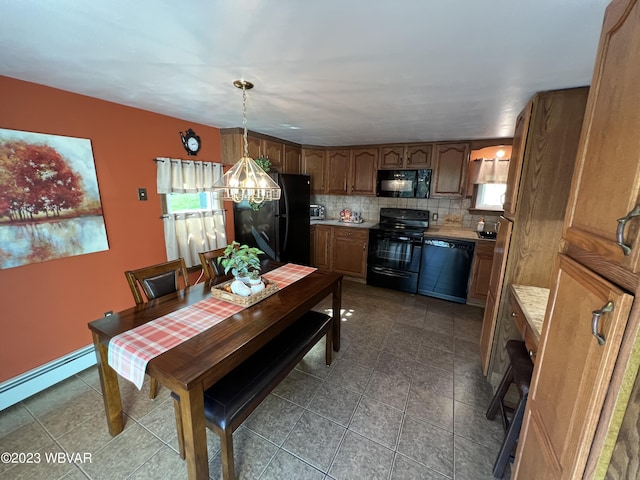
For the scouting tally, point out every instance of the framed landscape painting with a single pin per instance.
(49, 198)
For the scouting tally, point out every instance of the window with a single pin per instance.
(188, 202)
(490, 196)
(193, 214)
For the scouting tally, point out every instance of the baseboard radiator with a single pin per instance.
(29, 383)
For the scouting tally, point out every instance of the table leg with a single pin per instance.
(337, 308)
(195, 434)
(110, 388)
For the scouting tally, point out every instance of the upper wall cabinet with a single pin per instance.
(450, 163)
(284, 157)
(405, 156)
(337, 171)
(418, 156)
(363, 171)
(351, 171)
(292, 159)
(313, 164)
(274, 151)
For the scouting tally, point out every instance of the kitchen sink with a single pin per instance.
(489, 235)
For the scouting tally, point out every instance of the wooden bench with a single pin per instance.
(234, 397)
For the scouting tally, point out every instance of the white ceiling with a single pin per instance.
(327, 72)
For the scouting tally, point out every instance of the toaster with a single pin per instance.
(317, 212)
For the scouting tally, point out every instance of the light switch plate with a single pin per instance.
(142, 194)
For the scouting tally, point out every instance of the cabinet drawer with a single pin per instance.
(515, 312)
(351, 232)
(531, 343)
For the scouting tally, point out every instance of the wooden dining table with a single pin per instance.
(191, 367)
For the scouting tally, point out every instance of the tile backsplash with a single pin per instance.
(451, 212)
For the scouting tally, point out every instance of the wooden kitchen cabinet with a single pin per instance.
(418, 156)
(351, 171)
(496, 280)
(313, 165)
(232, 143)
(337, 171)
(545, 180)
(589, 427)
(349, 251)
(364, 163)
(606, 186)
(560, 423)
(292, 159)
(516, 161)
(391, 157)
(409, 156)
(480, 273)
(284, 158)
(274, 152)
(450, 162)
(320, 246)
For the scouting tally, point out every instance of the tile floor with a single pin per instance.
(403, 399)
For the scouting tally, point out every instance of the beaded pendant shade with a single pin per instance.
(246, 180)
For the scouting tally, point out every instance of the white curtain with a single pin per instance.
(489, 170)
(186, 234)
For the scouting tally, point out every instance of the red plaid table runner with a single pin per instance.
(130, 351)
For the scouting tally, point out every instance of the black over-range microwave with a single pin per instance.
(404, 183)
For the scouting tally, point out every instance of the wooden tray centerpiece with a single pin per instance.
(223, 292)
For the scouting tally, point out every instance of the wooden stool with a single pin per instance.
(519, 372)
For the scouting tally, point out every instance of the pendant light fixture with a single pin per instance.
(246, 180)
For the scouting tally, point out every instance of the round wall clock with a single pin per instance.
(191, 142)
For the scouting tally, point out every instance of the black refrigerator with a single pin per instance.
(280, 229)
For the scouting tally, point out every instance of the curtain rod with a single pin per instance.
(176, 160)
(490, 159)
(194, 214)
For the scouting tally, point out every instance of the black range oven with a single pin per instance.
(395, 249)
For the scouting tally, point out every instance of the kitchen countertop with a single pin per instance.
(533, 302)
(456, 233)
(338, 223)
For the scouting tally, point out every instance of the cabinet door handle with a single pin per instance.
(514, 314)
(595, 320)
(626, 249)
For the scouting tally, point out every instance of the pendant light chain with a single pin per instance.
(244, 121)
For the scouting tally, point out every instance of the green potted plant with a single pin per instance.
(240, 260)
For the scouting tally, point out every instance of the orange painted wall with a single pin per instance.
(45, 307)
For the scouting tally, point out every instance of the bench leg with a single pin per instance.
(329, 350)
(176, 409)
(226, 452)
(153, 388)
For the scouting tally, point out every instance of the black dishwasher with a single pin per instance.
(444, 270)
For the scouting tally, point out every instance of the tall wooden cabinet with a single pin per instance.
(545, 161)
(516, 161)
(579, 422)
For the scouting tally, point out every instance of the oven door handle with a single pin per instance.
(398, 238)
(390, 273)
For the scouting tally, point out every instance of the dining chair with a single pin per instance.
(209, 262)
(156, 281)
